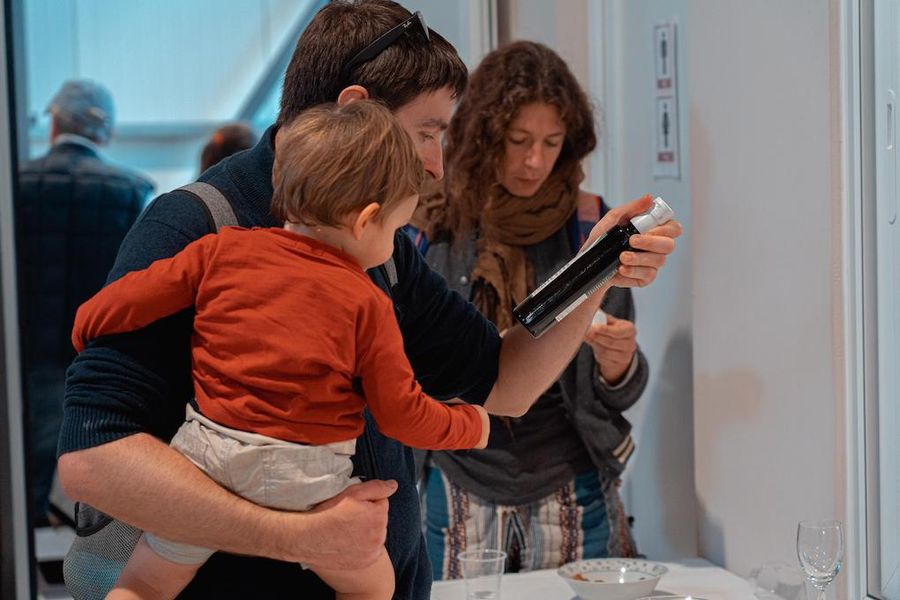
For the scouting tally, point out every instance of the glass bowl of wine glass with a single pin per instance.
(820, 549)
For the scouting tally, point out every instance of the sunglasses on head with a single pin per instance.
(416, 21)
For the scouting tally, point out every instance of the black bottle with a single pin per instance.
(584, 274)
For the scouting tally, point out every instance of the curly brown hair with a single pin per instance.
(508, 78)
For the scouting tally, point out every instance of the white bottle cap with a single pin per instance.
(658, 214)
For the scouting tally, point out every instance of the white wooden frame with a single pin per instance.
(855, 23)
(14, 524)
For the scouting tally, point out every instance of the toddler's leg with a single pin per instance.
(150, 576)
(372, 583)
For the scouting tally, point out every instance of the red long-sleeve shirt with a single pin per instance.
(291, 340)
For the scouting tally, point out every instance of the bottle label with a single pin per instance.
(562, 315)
(566, 266)
(600, 282)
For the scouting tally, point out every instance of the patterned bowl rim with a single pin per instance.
(652, 569)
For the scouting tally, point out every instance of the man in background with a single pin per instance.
(73, 209)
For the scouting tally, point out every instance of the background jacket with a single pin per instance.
(72, 212)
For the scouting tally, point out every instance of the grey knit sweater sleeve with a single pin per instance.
(620, 304)
(594, 409)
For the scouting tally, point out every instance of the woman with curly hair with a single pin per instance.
(510, 214)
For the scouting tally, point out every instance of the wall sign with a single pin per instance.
(666, 162)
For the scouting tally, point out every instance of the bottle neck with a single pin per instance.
(642, 223)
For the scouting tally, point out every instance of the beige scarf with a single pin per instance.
(502, 276)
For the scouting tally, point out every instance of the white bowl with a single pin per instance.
(612, 578)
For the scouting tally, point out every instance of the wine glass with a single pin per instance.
(820, 548)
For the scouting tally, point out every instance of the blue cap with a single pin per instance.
(85, 108)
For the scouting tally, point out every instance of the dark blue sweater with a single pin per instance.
(140, 382)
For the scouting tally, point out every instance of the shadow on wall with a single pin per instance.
(712, 539)
(672, 426)
(660, 483)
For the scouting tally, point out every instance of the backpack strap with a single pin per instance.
(588, 210)
(390, 269)
(220, 214)
(218, 208)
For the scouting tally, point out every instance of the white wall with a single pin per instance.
(561, 25)
(467, 24)
(765, 253)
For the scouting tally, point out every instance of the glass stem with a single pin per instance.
(821, 594)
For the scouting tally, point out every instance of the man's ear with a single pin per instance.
(364, 218)
(351, 93)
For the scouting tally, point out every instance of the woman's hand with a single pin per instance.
(614, 344)
(639, 269)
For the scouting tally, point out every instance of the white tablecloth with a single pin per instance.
(695, 577)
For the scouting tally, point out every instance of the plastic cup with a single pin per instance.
(482, 571)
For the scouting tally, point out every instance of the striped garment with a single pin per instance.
(583, 518)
